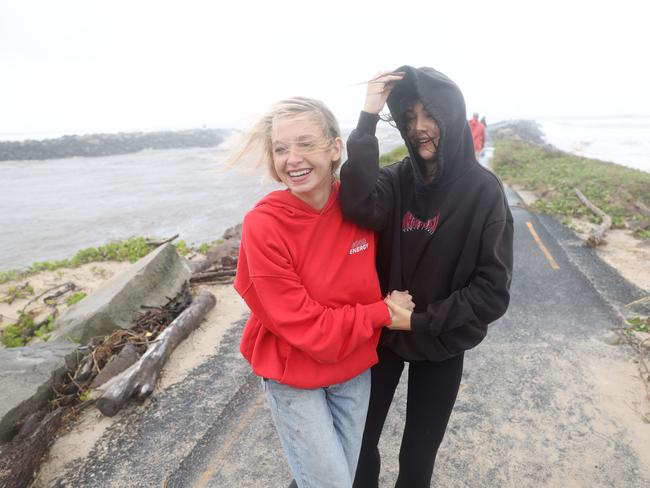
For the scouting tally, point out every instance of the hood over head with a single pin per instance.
(444, 102)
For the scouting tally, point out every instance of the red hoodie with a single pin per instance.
(309, 279)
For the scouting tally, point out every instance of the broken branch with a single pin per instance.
(212, 275)
(140, 378)
(597, 236)
(160, 243)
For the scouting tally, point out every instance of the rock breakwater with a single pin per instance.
(109, 144)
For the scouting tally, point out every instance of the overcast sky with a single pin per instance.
(108, 65)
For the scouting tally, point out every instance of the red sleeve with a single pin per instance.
(277, 297)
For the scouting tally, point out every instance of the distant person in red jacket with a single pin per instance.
(478, 134)
(309, 279)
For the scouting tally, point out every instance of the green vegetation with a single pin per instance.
(182, 248)
(75, 297)
(12, 274)
(16, 292)
(642, 233)
(12, 337)
(205, 247)
(23, 331)
(642, 325)
(44, 330)
(97, 271)
(552, 175)
(130, 249)
(390, 157)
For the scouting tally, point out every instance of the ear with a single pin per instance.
(337, 149)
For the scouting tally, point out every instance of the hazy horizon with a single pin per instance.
(100, 66)
(24, 136)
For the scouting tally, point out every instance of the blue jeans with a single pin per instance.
(321, 429)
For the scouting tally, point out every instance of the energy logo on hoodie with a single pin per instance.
(411, 222)
(358, 246)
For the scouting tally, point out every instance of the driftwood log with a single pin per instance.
(645, 211)
(20, 458)
(141, 377)
(160, 243)
(128, 356)
(63, 289)
(212, 275)
(597, 236)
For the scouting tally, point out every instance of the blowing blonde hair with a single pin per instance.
(257, 143)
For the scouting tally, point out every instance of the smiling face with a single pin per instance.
(422, 131)
(303, 158)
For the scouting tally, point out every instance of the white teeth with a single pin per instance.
(302, 172)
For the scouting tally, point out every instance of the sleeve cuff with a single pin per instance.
(419, 322)
(367, 123)
(378, 314)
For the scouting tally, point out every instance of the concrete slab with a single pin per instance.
(26, 375)
(150, 281)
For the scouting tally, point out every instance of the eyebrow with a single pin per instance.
(304, 138)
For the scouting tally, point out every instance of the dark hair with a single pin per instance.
(401, 104)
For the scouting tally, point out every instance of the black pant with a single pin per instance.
(432, 391)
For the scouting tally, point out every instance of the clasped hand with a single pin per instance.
(400, 306)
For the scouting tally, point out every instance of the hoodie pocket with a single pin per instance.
(286, 372)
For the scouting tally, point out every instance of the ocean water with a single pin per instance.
(621, 140)
(51, 209)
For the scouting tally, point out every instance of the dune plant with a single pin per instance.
(552, 175)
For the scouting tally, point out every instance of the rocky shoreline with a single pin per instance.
(109, 144)
(519, 129)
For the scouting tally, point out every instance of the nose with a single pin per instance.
(294, 155)
(420, 123)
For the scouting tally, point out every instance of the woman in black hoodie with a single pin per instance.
(446, 237)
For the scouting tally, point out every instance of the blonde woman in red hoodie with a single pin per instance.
(309, 280)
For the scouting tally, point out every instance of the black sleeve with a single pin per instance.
(366, 193)
(487, 295)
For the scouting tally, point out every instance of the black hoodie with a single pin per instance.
(448, 242)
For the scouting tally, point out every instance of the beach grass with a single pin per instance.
(551, 174)
(621, 192)
(129, 249)
(126, 250)
(23, 329)
(390, 157)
